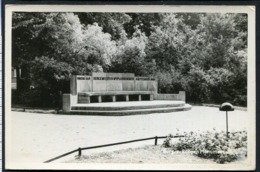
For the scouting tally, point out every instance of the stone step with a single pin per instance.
(129, 112)
(127, 107)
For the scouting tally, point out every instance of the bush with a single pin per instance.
(15, 97)
(167, 142)
(212, 145)
(164, 82)
(220, 84)
(197, 86)
(50, 79)
(170, 81)
(241, 100)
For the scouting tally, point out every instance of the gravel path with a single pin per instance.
(38, 137)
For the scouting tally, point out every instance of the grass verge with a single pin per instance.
(145, 154)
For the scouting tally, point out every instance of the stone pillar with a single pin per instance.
(140, 97)
(114, 98)
(91, 82)
(127, 98)
(182, 96)
(99, 99)
(73, 85)
(88, 99)
(66, 102)
(151, 97)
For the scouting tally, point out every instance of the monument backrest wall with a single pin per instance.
(104, 82)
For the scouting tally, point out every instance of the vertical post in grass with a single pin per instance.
(79, 152)
(226, 107)
(227, 122)
(155, 143)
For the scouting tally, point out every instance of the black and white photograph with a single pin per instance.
(141, 87)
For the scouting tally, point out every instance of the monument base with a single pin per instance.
(128, 108)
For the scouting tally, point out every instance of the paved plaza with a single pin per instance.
(38, 137)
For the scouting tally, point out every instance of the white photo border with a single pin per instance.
(251, 82)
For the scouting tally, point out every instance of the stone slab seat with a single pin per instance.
(84, 97)
(115, 93)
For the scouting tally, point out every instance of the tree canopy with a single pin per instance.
(204, 54)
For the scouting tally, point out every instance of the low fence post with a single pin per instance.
(155, 143)
(79, 152)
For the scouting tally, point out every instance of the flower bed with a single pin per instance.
(211, 145)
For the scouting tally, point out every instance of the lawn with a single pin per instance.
(196, 148)
(145, 154)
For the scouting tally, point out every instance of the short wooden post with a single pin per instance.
(127, 98)
(79, 152)
(155, 143)
(140, 97)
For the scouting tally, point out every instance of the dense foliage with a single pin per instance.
(202, 54)
(211, 145)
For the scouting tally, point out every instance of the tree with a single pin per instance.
(191, 19)
(58, 41)
(131, 54)
(165, 42)
(111, 23)
(202, 54)
(218, 32)
(144, 21)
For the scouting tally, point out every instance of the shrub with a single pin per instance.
(241, 100)
(197, 87)
(167, 142)
(50, 79)
(212, 145)
(220, 84)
